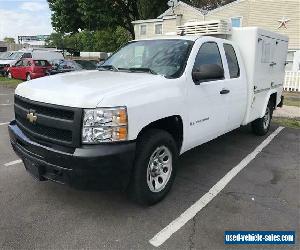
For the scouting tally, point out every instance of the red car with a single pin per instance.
(27, 69)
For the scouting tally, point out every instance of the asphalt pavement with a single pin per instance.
(262, 196)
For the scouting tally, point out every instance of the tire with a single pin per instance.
(9, 75)
(150, 183)
(261, 126)
(28, 77)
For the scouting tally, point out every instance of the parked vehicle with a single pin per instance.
(27, 69)
(4, 64)
(42, 54)
(87, 64)
(126, 125)
(64, 66)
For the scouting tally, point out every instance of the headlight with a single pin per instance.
(104, 125)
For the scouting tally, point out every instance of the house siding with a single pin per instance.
(260, 13)
(235, 9)
(187, 14)
(265, 14)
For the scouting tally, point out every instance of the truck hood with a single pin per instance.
(82, 89)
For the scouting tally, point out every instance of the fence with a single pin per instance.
(292, 81)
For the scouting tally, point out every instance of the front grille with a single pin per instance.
(42, 109)
(55, 124)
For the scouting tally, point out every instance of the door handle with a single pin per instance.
(224, 91)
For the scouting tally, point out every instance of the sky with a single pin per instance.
(24, 18)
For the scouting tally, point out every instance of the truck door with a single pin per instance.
(207, 113)
(15, 70)
(236, 83)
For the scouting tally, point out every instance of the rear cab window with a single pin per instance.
(233, 64)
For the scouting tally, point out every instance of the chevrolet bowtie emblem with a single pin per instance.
(31, 117)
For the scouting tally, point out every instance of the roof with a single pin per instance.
(180, 3)
(201, 12)
(226, 6)
(153, 20)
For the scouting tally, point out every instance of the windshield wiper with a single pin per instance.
(146, 70)
(109, 67)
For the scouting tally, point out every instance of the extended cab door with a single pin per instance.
(236, 82)
(208, 114)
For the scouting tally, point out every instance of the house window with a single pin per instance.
(290, 60)
(158, 29)
(236, 22)
(143, 30)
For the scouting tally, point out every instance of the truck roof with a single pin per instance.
(185, 37)
(225, 36)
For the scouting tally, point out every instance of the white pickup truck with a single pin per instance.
(125, 125)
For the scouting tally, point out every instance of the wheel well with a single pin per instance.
(273, 99)
(171, 124)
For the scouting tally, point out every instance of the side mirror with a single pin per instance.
(207, 72)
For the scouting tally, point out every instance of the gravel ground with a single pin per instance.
(287, 112)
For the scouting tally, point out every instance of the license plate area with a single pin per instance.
(35, 170)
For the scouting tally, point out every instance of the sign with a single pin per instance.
(25, 39)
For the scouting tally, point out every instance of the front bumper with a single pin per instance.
(104, 167)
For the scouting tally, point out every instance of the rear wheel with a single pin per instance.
(28, 77)
(261, 126)
(155, 167)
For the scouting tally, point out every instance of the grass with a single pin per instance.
(11, 83)
(287, 122)
(291, 99)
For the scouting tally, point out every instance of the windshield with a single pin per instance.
(164, 57)
(15, 55)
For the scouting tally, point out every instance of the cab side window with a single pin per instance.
(208, 54)
(208, 64)
(27, 63)
(233, 65)
(19, 63)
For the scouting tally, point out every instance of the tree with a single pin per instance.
(9, 40)
(56, 40)
(66, 16)
(71, 15)
(107, 40)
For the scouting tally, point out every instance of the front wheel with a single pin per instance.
(155, 167)
(9, 75)
(261, 126)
